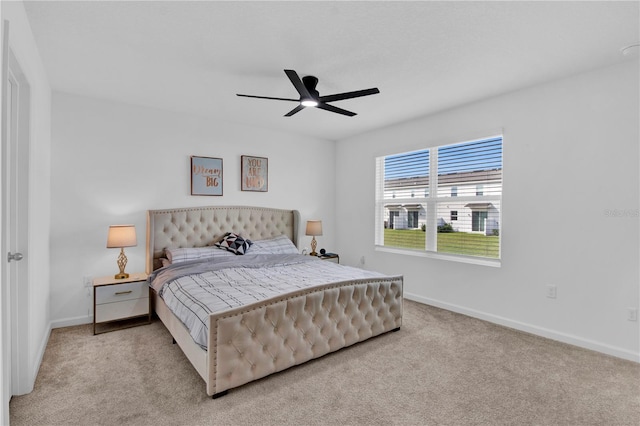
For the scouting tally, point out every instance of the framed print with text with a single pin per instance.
(206, 176)
(254, 174)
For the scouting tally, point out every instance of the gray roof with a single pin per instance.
(464, 178)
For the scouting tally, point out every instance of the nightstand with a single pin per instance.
(118, 300)
(332, 257)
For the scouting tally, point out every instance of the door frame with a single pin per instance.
(5, 326)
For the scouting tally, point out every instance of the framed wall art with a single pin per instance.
(206, 176)
(254, 174)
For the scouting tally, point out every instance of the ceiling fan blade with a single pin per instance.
(331, 108)
(348, 95)
(268, 97)
(297, 83)
(294, 111)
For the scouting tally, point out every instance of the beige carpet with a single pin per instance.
(441, 368)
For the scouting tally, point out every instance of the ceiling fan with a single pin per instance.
(309, 96)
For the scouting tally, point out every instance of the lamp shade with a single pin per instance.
(121, 236)
(314, 227)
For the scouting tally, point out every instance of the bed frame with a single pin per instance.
(253, 341)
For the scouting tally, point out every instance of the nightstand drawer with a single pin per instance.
(120, 310)
(121, 292)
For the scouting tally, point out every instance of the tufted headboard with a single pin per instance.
(202, 226)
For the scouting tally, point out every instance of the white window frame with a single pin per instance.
(430, 204)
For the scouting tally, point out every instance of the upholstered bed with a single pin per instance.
(251, 341)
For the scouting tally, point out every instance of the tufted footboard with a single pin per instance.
(253, 341)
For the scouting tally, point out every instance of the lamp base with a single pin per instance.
(314, 244)
(122, 262)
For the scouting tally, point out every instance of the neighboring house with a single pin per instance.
(466, 215)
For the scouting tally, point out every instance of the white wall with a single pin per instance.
(570, 155)
(23, 46)
(111, 162)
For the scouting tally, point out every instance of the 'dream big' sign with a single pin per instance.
(206, 176)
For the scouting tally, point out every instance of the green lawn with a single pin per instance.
(448, 242)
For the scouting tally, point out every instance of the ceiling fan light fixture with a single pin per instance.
(309, 103)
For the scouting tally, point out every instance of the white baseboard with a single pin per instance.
(68, 322)
(26, 388)
(35, 368)
(538, 331)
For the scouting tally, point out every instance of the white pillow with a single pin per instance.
(177, 255)
(277, 245)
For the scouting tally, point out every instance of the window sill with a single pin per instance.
(495, 263)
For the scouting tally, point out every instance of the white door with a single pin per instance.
(15, 163)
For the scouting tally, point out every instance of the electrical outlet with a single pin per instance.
(362, 260)
(552, 291)
(632, 314)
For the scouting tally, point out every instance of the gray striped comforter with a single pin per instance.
(193, 290)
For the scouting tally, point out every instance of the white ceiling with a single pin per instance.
(423, 56)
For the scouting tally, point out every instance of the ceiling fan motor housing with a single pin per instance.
(310, 82)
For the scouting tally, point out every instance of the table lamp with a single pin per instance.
(314, 227)
(121, 236)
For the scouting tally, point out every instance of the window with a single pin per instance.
(460, 212)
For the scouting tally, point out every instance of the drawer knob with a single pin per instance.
(118, 293)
